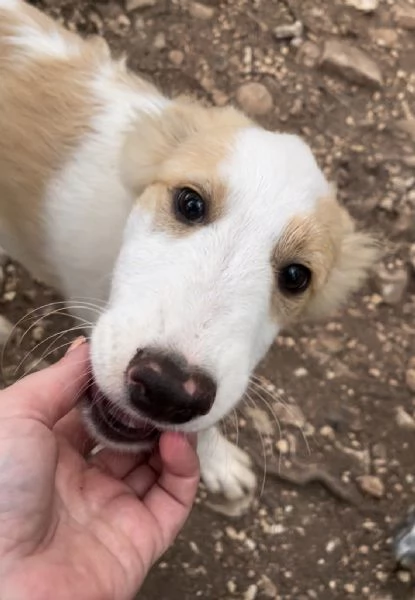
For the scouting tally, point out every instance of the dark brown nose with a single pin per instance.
(165, 389)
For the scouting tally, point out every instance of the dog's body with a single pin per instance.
(201, 233)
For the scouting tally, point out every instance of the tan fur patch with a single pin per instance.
(186, 129)
(338, 256)
(46, 111)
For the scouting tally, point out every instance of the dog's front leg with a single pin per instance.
(225, 468)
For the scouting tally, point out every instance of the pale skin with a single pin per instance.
(77, 528)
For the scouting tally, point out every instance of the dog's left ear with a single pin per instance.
(354, 254)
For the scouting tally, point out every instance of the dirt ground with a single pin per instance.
(337, 408)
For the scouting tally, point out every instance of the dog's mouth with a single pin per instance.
(115, 424)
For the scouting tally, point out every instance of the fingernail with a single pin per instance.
(76, 343)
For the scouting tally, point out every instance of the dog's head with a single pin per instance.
(234, 233)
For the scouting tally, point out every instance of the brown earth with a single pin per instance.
(347, 383)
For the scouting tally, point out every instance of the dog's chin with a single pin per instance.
(115, 427)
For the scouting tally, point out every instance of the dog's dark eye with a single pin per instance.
(189, 206)
(294, 279)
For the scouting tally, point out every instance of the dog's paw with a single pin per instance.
(226, 469)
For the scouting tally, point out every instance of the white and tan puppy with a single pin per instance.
(202, 233)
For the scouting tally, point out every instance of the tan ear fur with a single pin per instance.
(154, 137)
(354, 255)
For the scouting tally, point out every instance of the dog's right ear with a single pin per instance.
(153, 138)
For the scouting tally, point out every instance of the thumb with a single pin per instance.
(50, 394)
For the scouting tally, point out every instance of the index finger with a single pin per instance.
(50, 394)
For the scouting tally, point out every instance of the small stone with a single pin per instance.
(351, 63)
(327, 432)
(254, 99)
(282, 446)
(392, 284)
(309, 54)
(231, 585)
(385, 37)
(268, 588)
(6, 329)
(201, 11)
(38, 333)
(176, 57)
(350, 588)
(410, 375)
(288, 31)
(301, 372)
(404, 15)
(366, 6)
(251, 592)
(371, 485)
(9, 296)
(404, 576)
(131, 5)
(260, 420)
(159, 41)
(404, 419)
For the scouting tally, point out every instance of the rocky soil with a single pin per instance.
(331, 418)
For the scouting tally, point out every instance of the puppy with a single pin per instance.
(199, 233)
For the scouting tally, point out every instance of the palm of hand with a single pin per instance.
(76, 518)
(72, 528)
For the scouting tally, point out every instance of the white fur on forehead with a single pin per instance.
(278, 170)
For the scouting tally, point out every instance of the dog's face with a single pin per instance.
(234, 233)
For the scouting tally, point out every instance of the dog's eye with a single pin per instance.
(294, 279)
(189, 206)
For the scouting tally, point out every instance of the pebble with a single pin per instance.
(385, 37)
(268, 588)
(231, 585)
(38, 333)
(176, 57)
(410, 375)
(251, 592)
(327, 432)
(371, 485)
(254, 99)
(260, 420)
(404, 15)
(364, 5)
(288, 31)
(131, 5)
(201, 11)
(404, 576)
(9, 296)
(282, 446)
(351, 63)
(159, 41)
(392, 284)
(6, 329)
(350, 588)
(309, 54)
(404, 419)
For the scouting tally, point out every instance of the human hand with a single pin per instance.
(72, 527)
